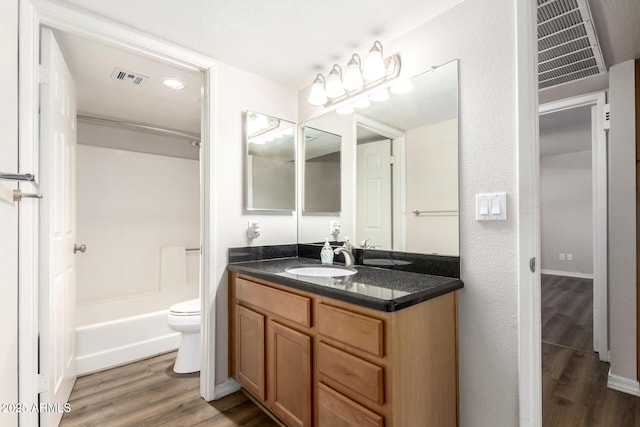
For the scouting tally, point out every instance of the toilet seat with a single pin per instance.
(186, 308)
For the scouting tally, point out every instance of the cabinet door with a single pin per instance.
(290, 375)
(250, 352)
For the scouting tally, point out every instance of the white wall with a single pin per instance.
(566, 212)
(133, 208)
(481, 34)
(432, 185)
(622, 222)
(8, 210)
(236, 91)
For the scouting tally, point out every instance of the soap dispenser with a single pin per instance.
(326, 254)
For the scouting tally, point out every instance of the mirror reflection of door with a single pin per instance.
(374, 197)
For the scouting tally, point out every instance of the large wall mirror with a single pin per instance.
(399, 176)
(270, 163)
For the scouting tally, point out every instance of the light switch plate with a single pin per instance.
(491, 207)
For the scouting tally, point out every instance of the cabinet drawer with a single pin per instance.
(359, 376)
(335, 409)
(358, 331)
(284, 304)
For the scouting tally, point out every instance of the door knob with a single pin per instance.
(79, 248)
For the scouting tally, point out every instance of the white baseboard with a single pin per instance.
(567, 274)
(109, 344)
(226, 388)
(623, 384)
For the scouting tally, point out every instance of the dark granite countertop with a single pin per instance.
(377, 288)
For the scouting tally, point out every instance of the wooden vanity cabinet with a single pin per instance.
(326, 363)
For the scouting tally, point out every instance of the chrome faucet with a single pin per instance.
(346, 250)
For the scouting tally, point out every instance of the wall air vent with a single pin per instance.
(130, 77)
(568, 48)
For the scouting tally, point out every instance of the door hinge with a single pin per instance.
(392, 160)
(532, 264)
(43, 74)
(43, 383)
(607, 117)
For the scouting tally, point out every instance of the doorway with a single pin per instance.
(591, 264)
(58, 17)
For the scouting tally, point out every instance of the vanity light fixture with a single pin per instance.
(403, 86)
(374, 67)
(353, 76)
(358, 79)
(173, 83)
(334, 87)
(362, 103)
(317, 96)
(380, 95)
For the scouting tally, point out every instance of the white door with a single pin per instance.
(373, 205)
(57, 293)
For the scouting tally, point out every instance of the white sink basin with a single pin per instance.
(322, 270)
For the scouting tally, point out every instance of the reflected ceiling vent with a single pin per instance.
(128, 77)
(568, 48)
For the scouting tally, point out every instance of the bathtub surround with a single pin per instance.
(137, 232)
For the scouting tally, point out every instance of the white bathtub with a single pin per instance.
(108, 344)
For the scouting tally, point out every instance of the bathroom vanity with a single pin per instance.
(378, 348)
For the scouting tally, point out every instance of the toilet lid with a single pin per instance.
(186, 308)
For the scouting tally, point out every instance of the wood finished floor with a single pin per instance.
(574, 380)
(148, 393)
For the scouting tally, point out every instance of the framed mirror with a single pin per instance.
(400, 180)
(321, 172)
(270, 163)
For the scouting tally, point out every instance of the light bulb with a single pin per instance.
(362, 103)
(403, 86)
(317, 95)
(334, 83)
(344, 110)
(353, 76)
(380, 96)
(374, 68)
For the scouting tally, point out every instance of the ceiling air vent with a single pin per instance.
(568, 48)
(128, 77)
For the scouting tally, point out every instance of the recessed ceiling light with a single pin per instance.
(173, 83)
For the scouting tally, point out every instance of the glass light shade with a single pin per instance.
(317, 95)
(334, 83)
(401, 87)
(362, 103)
(374, 67)
(288, 131)
(258, 141)
(353, 76)
(344, 110)
(380, 96)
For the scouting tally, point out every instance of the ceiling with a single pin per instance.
(287, 41)
(571, 127)
(92, 65)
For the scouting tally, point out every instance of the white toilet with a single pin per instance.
(185, 317)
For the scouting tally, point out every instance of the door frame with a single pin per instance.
(33, 15)
(398, 175)
(599, 209)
